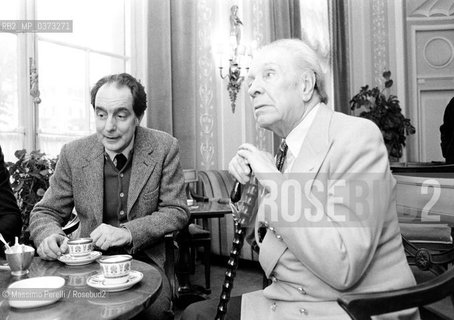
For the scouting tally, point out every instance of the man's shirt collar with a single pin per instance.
(296, 137)
(126, 152)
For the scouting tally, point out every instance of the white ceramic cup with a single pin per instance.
(115, 268)
(80, 247)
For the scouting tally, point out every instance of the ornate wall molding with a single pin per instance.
(438, 52)
(258, 23)
(205, 79)
(379, 40)
(434, 8)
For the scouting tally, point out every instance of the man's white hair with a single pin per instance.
(305, 58)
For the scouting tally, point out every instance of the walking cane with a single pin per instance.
(242, 215)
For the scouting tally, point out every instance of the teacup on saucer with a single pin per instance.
(115, 268)
(80, 247)
(99, 282)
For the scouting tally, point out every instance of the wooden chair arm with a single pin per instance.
(362, 306)
(71, 226)
(199, 197)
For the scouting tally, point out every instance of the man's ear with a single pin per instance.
(307, 85)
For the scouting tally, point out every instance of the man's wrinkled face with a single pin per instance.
(275, 90)
(116, 121)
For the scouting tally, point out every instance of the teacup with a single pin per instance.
(80, 247)
(115, 268)
(20, 261)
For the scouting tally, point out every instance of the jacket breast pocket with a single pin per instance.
(151, 195)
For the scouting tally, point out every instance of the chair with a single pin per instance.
(71, 228)
(169, 265)
(426, 259)
(199, 236)
(361, 306)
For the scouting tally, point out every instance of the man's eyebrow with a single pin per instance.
(270, 65)
(120, 109)
(117, 110)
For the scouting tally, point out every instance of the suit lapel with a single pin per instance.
(316, 144)
(143, 164)
(93, 169)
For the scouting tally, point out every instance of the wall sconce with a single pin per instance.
(237, 56)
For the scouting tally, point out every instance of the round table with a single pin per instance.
(81, 301)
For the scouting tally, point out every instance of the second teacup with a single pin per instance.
(115, 268)
(80, 247)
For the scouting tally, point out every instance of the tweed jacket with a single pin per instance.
(328, 239)
(10, 217)
(156, 199)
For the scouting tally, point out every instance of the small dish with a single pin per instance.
(46, 290)
(97, 281)
(79, 261)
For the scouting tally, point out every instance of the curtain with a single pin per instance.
(285, 23)
(339, 54)
(171, 73)
(285, 19)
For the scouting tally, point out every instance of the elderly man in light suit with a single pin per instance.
(323, 237)
(125, 182)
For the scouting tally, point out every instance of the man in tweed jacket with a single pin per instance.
(124, 205)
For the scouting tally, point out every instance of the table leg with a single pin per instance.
(187, 292)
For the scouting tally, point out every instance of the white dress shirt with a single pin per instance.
(296, 138)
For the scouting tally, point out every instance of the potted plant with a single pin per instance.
(29, 180)
(384, 109)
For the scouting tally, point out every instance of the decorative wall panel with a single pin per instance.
(434, 8)
(379, 40)
(258, 28)
(205, 79)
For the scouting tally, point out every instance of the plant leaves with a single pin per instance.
(388, 83)
(387, 75)
(20, 154)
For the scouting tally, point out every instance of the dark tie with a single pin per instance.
(280, 160)
(121, 161)
(281, 154)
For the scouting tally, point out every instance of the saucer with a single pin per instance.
(47, 290)
(4, 266)
(78, 261)
(98, 281)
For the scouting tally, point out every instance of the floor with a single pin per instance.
(248, 278)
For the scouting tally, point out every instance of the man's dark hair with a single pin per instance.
(139, 103)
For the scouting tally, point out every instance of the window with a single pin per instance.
(68, 65)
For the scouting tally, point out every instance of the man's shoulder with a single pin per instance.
(81, 146)
(156, 139)
(348, 123)
(82, 142)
